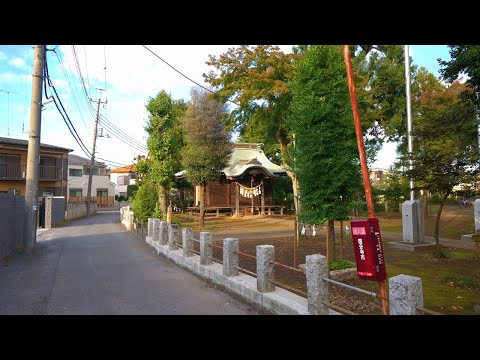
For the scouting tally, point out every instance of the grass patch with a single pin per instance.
(340, 265)
(462, 255)
(464, 282)
(440, 254)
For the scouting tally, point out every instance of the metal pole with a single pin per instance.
(92, 161)
(33, 154)
(363, 159)
(409, 118)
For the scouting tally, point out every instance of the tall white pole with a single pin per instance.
(409, 117)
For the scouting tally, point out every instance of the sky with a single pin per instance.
(130, 75)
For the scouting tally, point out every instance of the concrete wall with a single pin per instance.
(54, 211)
(12, 217)
(98, 182)
(120, 189)
(77, 210)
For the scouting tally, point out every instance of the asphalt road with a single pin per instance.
(94, 266)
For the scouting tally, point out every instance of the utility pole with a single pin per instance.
(33, 155)
(92, 162)
(409, 118)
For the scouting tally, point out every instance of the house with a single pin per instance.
(378, 175)
(78, 173)
(122, 177)
(246, 183)
(13, 168)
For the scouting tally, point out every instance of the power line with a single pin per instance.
(105, 68)
(123, 139)
(121, 133)
(86, 67)
(185, 76)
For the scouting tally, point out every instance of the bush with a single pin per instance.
(340, 265)
(145, 202)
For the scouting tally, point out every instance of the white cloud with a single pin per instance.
(386, 156)
(17, 62)
(2, 56)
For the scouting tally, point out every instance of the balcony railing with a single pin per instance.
(18, 172)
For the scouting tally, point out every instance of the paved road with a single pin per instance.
(94, 266)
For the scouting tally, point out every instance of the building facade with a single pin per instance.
(13, 168)
(78, 173)
(122, 177)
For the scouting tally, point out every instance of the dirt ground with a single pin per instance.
(451, 285)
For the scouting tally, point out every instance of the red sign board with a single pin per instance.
(367, 245)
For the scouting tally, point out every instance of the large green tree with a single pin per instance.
(445, 147)
(255, 78)
(325, 151)
(207, 147)
(164, 143)
(465, 60)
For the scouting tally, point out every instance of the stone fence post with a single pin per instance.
(172, 237)
(163, 236)
(187, 243)
(156, 229)
(405, 295)
(206, 250)
(317, 288)
(150, 227)
(265, 268)
(230, 259)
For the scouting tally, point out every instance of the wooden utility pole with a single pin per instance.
(92, 161)
(33, 155)
(363, 160)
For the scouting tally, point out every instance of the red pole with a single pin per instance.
(363, 160)
(359, 133)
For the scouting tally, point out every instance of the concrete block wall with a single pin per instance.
(77, 210)
(12, 217)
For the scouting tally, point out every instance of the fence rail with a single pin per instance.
(405, 292)
(102, 201)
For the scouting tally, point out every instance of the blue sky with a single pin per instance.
(132, 76)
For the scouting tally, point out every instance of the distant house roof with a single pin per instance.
(244, 157)
(78, 160)
(125, 169)
(5, 142)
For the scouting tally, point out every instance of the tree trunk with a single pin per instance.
(203, 190)
(331, 239)
(437, 221)
(162, 199)
(341, 239)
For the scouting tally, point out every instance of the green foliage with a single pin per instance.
(464, 282)
(145, 201)
(120, 198)
(256, 78)
(440, 254)
(341, 264)
(325, 151)
(131, 190)
(165, 138)
(283, 192)
(464, 60)
(207, 149)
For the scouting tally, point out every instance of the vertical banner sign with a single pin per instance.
(367, 245)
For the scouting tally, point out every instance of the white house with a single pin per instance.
(78, 171)
(122, 177)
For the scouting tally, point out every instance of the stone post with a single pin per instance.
(150, 227)
(172, 236)
(169, 214)
(317, 289)
(265, 268)
(405, 295)
(156, 229)
(476, 212)
(163, 236)
(206, 251)
(187, 243)
(230, 259)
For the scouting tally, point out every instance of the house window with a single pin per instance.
(75, 192)
(86, 170)
(75, 172)
(102, 192)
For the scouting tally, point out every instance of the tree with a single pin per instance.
(445, 147)
(207, 150)
(145, 203)
(464, 60)
(325, 151)
(256, 79)
(164, 143)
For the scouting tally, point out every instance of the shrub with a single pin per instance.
(145, 201)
